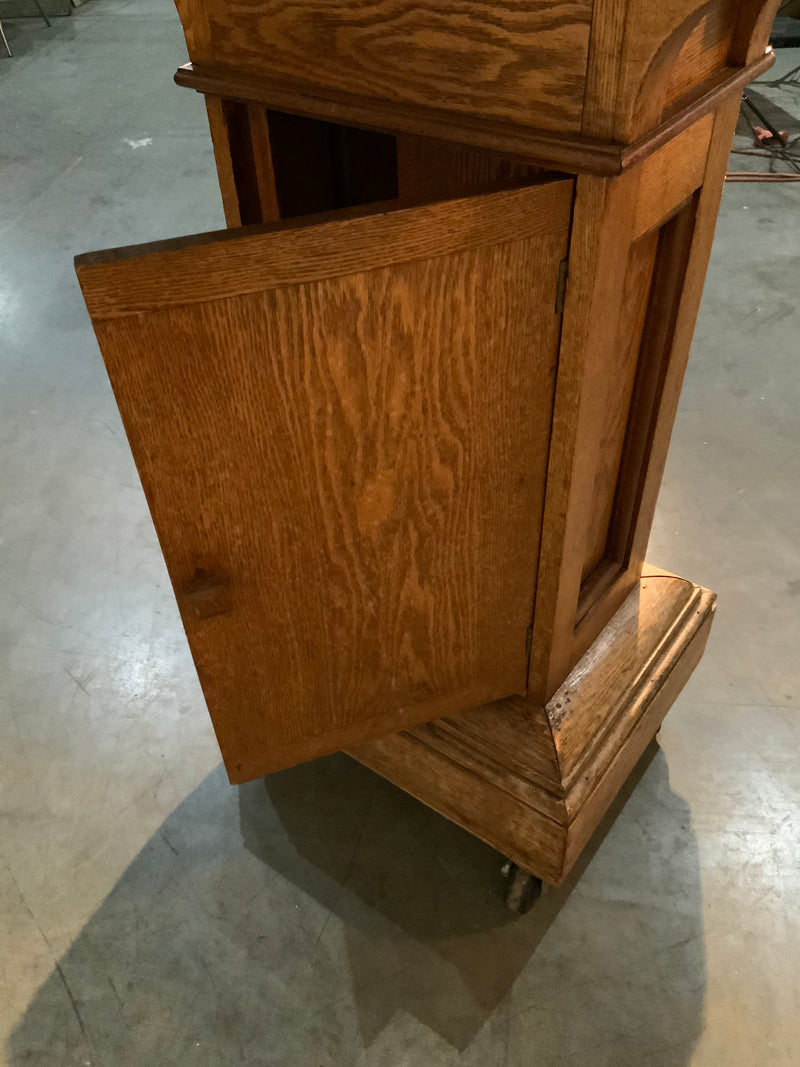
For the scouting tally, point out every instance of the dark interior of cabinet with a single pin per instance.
(316, 166)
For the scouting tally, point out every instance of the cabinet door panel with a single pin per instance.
(342, 432)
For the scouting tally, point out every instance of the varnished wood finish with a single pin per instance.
(196, 29)
(656, 357)
(428, 168)
(586, 567)
(753, 25)
(688, 291)
(588, 737)
(704, 51)
(602, 233)
(647, 703)
(614, 397)
(601, 68)
(378, 505)
(646, 56)
(707, 97)
(223, 157)
(267, 193)
(513, 140)
(341, 430)
(585, 154)
(595, 701)
(523, 62)
(671, 175)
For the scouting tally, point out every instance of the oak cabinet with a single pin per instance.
(401, 427)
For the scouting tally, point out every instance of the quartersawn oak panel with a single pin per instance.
(346, 473)
(521, 61)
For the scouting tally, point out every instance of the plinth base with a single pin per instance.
(535, 781)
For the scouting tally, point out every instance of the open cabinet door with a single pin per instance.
(342, 426)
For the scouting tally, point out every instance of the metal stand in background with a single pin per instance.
(777, 148)
(44, 17)
(789, 80)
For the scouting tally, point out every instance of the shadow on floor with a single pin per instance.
(357, 926)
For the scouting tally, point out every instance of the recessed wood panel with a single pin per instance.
(616, 398)
(345, 462)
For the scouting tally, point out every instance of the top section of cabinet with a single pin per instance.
(596, 70)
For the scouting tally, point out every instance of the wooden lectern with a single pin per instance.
(402, 426)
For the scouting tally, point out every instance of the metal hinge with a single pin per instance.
(561, 285)
(529, 640)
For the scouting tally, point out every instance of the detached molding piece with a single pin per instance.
(402, 425)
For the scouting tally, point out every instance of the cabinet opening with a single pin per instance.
(285, 166)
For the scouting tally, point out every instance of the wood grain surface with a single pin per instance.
(641, 715)
(688, 297)
(214, 266)
(603, 218)
(472, 799)
(223, 158)
(598, 690)
(704, 51)
(672, 174)
(637, 63)
(522, 60)
(427, 168)
(485, 771)
(615, 397)
(586, 573)
(570, 152)
(343, 446)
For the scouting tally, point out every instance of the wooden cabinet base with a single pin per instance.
(534, 781)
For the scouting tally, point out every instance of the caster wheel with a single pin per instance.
(523, 889)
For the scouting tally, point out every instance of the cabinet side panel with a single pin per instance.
(579, 589)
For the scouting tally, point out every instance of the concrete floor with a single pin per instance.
(151, 913)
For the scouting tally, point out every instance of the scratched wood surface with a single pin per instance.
(346, 471)
(523, 61)
(484, 770)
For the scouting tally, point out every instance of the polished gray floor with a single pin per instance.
(152, 914)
